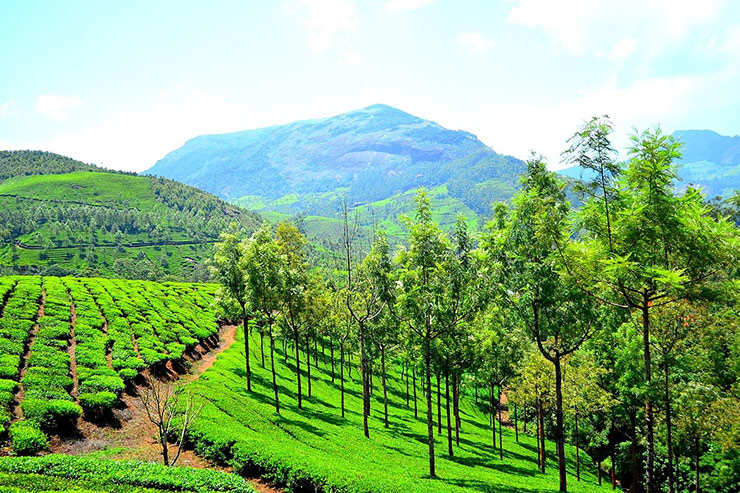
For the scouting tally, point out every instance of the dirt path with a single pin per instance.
(132, 436)
(18, 411)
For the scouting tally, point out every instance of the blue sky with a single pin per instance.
(123, 83)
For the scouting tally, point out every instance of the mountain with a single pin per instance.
(73, 218)
(709, 160)
(371, 155)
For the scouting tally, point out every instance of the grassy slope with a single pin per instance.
(135, 199)
(316, 442)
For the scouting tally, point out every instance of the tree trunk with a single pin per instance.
(537, 437)
(578, 457)
(493, 416)
(385, 388)
(500, 434)
(331, 350)
(559, 435)
(364, 377)
(516, 425)
(649, 486)
(341, 372)
(298, 368)
(598, 471)
(541, 434)
(165, 451)
(456, 406)
(285, 350)
(669, 430)
(613, 471)
(272, 367)
(407, 384)
(413, 377)
(439, 407)
(308, 363)
(428, 385)
(447, 406)
(262, 348)
(315, 353)
(245, 323)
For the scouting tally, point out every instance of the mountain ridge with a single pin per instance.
(364, 155)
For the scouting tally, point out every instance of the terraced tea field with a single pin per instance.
(69, 346)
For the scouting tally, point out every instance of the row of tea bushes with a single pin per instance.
(47, 382)
(99, 384)
(124, 357)
(135, 474)
(21, 297)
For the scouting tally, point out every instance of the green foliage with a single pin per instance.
(51, 414)
(129, 473)
(26, 438)
(23, 163)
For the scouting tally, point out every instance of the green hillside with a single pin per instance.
(112, 224)
(315, 445)
(22, 163)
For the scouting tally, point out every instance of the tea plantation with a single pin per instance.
(68, 346)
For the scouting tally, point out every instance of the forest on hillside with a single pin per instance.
(611, 329)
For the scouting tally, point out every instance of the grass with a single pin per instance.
(316, 446)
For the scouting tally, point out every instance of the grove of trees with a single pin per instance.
(612, 326)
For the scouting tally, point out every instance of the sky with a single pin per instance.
(121, 84)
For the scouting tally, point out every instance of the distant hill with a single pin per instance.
(709, 160)
(83, 220)
(23, 163)
(369, 156)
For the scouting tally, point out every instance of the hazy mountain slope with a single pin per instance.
(113, 224)
(709, 160)
(365, 155)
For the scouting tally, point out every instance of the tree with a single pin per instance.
(584, 395)
(523, 247)
(368, 292)
(262, 264)
(647, 247)
(423, 301)
(294, 287)
(172, 410)
(228, 268)
(533, 386)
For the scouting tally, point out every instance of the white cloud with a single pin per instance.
(519, 128)
(5, 108)
(400, 6)
(56, 107)
(324, 20)
(588, 26)
(727, 42)
(351, 57)
(622, 49)
(475, 42)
